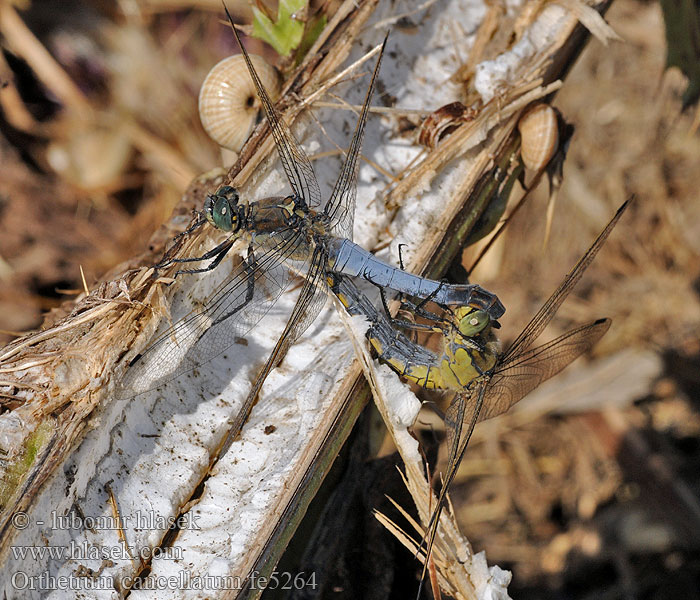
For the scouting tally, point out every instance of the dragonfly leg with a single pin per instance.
(176, 241)
(401, 257)
(217, 254)
(429, 297)
(207, 255)
(412, 306)
(418, 308)
(201, 220)
(420, 311)
(405, 324)
(249, 266)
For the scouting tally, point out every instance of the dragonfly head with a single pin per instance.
(471, 321)
(221, 209)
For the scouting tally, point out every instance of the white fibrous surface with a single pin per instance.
(492, 76)
(491, 583)
(401, 402)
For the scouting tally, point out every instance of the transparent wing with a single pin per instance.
(341, 205)
(492, 396)
(515, 379)
(518, 371)
(211, 327)
(311, 301)
(306, 309)
(397, 346)
(465, 404)
(294, 160)
(537, 324)
(387, 334)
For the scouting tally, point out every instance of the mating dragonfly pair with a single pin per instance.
(487, 381)
(293, 234)
(300, 233)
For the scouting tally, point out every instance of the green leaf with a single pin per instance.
(286, 33)
(313, 30)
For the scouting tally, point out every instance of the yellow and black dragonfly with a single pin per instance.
(487, 381)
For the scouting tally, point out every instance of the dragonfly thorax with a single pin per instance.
(467, 358)
(222, 210)
(275, 214)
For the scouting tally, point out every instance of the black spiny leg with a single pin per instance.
(420, 311)
(404, 324)
(201, 220)
(418, 308)
(415, 308)
(217, 254)
(249, 267)
(401, 257)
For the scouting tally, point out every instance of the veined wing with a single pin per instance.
(518, 371)
(306, 309)
(243, 298)
(385, 336)
(458, 433)
(513, 380)
(340, 208)
(537, 324)
(495, 394)
(294, 160)
(510, 382)
(309, 304)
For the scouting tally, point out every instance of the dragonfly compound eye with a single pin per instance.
(220, 208)
(228, 192)
(471, 321)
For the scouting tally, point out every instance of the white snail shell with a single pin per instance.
(228, 103)
(539, 134)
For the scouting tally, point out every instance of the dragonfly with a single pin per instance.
(286, 235)
(486, 380)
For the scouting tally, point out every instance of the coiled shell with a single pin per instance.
(539, 133)
(228, 103)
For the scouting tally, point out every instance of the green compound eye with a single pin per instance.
(219, 208)
(231, 193)
(471, 321)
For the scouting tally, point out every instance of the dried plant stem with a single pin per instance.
(24, 44)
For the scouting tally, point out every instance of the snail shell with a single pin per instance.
(539, 133)
(228, 103)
